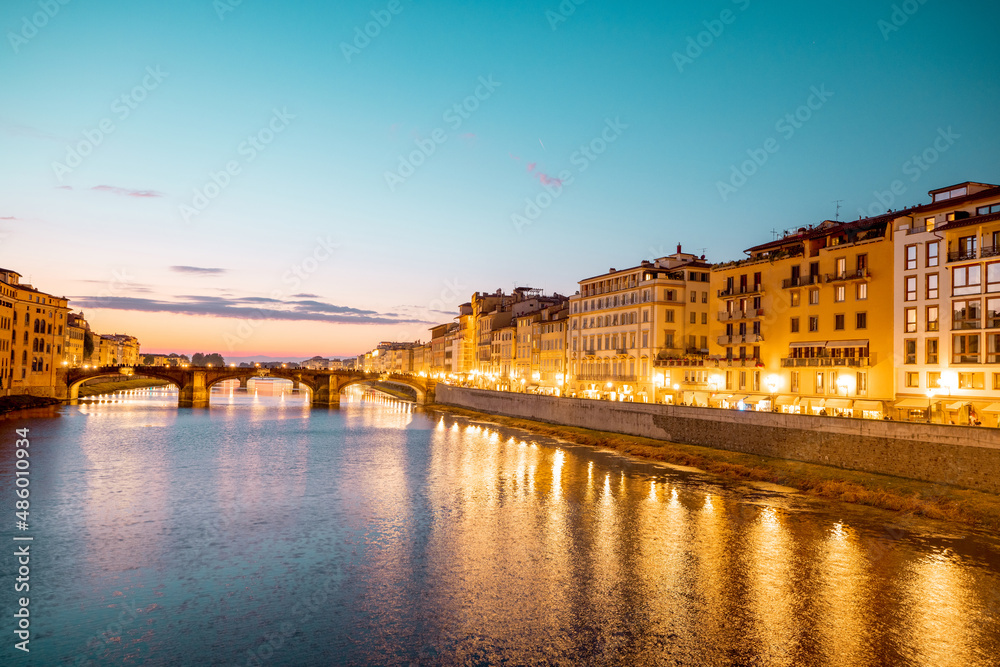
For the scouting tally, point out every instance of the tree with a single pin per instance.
(199, 359)
(147, 359)
(88, 344)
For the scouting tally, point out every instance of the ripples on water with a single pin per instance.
(262, 531)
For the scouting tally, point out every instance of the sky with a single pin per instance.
(283, 180)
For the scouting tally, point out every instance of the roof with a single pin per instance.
(965, 222)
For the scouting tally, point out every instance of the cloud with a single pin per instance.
(18, 130)
(256, 308)
(305, 296)
(9, 217)
(197, 270)
(125, 192)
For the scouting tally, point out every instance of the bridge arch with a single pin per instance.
(418, 388)
(73, 385)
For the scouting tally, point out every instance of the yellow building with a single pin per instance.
(34, 347)
(117, 350)
(73, 346)
(549, 366)
(804, 324)
(947, 306)
(642, 333)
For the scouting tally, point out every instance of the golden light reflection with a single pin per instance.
(844, 589)
(772, 574)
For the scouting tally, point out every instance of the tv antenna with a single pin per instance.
(838, 202)
(774, 234)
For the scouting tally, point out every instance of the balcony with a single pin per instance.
(860, 274)
(855, 362)
(604, 377)
(741, 291)
(740, 339)
(589, 353)
(990, 251)
(738, 315)
(958, 325)
(621, 350)
(801, 281)
(740, 362)
(962, 255)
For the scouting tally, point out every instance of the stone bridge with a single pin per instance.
(195, 383)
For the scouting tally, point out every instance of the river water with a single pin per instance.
(264, 532)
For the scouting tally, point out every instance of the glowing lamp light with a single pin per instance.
(773, 382)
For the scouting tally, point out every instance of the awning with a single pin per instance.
(957, 405)
(723, 397)
(736, 398)
(920, 403)
(786, 400)
(992, 407)
(847, 343)
(871, 406)
(815, 343)
(839, 403)
(752, 400)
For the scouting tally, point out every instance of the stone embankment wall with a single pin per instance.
(958, 455)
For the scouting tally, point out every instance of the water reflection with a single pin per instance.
(453, 542)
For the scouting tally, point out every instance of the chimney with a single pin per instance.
(678, 248)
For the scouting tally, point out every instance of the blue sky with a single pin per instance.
(310, 251)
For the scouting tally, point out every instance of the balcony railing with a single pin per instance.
(589, 353)
(990, 251)
(742, 291)
(801, 281)
(957, 325)
(621, 350)
(737, 315)
(605, 377)
(790, 362)
(740, 339)
(962, 255)
(859, 274)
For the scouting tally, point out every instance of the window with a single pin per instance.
(819, 382)
(910, 288)
(838, 322)
(645, 339)
(931, 352)
(910, 351)
(645, 316)
(933, 380)
(839, 293)
(932, 318)
(813, 324)
(993, 277)
(861, 384)
(993, 348)
(913, 379)
(965, 349)
(966, 314)
(862, 263)
(929, 224)
(704, 318)
(670, 315)
(932, 251)
(986, 210)
(813, 297)
(795, 297)
(970, 380)
(932, 285)
(861, 320)
(795, 325)
(841, 266)
(794, 382)
(911, 258)
(704, 297)
(910, 320)
(694, 296)
(861, 291)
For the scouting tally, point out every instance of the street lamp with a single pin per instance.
(773, 382)
(930, 395)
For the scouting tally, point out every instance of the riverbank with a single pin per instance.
(935, 501)
(15, 403)
(111, 387)
(394, 390)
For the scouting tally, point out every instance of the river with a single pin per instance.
(262, 531)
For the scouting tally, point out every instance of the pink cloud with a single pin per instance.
(125, 192)
(513, 157)
(531, 166)
(546, 179)
(469, 137)
(64, 187)
(9, 217)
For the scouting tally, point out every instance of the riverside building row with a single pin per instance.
(896, 315)
(39, 335)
